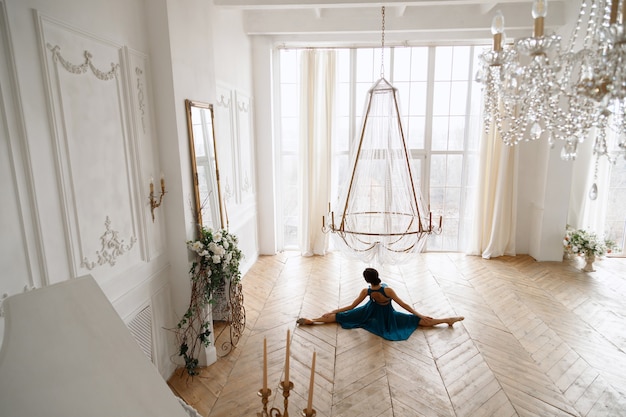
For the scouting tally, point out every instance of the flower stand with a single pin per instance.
(589, 260)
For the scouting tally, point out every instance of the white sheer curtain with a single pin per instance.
(317, 91)
(494, 228)
(583, 212)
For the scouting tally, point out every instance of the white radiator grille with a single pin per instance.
(141, 328)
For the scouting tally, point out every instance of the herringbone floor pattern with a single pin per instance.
(539, 339)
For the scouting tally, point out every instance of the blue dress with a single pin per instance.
(380, 319)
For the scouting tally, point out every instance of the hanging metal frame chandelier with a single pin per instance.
(380, 212)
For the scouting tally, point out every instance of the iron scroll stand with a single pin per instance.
(234, 313)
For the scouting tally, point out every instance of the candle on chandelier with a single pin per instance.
(162, 183)
(614, 8)
(539, 12)
(497, 29)
(151, 185)
(309, 407)
(287, 361)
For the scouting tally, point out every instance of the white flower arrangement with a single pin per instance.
(583, 243)
(217, 260)
(218, 256)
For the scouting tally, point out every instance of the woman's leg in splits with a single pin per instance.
(424, 321)
(325, 318)
(430, 322)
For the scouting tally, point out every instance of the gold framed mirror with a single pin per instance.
(205, 169)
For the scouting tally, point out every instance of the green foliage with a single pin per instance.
(217, 261)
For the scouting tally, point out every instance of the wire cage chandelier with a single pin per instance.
(536, 89)
(380, 211)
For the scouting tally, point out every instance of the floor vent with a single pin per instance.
(141, 329)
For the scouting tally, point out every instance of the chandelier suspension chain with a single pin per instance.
(382, 41)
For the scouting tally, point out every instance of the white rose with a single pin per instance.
(196, 246)
(216, 259)
(213, 247)
(217, 236)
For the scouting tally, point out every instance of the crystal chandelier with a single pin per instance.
(380, 213)
(534, 89)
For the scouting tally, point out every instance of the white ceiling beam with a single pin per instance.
(460, 18)
(298, 4)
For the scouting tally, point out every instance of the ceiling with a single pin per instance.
(406, 22)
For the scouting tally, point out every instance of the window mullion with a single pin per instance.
(430, 91)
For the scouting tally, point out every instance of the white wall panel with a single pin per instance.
(145, 147)
(95, 157)
(245, 145)
(224, 114)
(20, 254)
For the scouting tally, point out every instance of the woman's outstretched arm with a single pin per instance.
(330, 317)
(425, 321)
(355, 303)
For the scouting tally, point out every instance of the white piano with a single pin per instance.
(67, 353)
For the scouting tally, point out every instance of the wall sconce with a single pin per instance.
(153, 201)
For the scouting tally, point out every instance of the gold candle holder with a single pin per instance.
(264, 394)
(286, 387)
(154, 203)
(275, 412)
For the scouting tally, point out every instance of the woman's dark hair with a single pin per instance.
(371, 276)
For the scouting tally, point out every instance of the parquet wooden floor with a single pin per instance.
(539, 339)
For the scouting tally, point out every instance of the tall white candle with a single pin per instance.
(264, 364)
(309, 407)
(287, 361)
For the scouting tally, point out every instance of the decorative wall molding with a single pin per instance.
(90, 112)
(140, 97)
(245, 144)
(223, 101)
(145, 161)
(111, 247)
(226, 143)
(243, 106)
(16, 168)
(82, 68)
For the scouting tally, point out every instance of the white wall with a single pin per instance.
(81, 143)
(236, 146)
(60, 179)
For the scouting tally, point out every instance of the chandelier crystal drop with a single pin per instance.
(533, 89)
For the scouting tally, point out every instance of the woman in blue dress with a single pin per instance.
(378, 315)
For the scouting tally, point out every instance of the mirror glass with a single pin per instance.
(204, 164)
